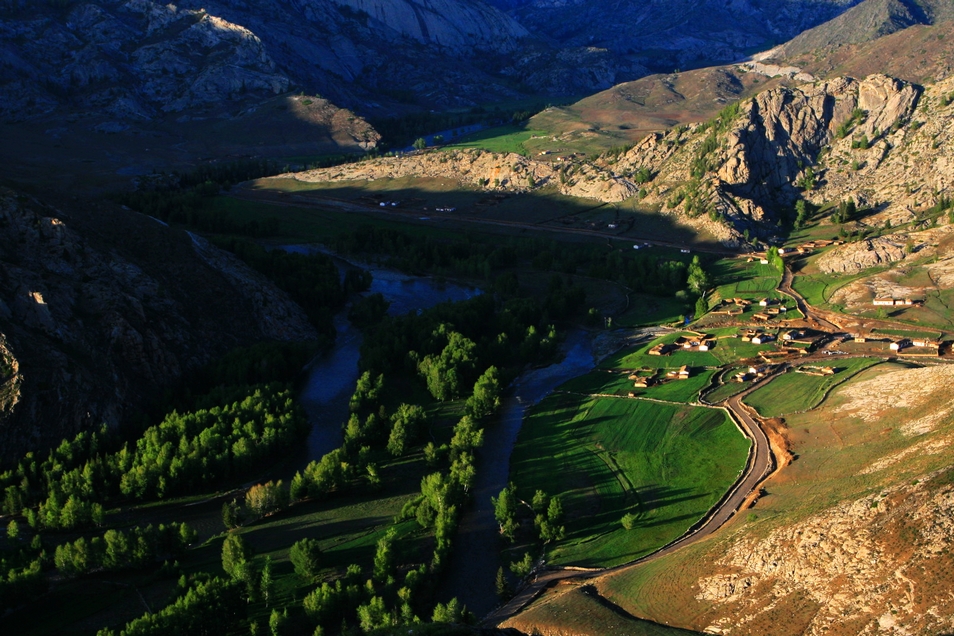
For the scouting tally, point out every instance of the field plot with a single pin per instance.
(738, 278)
(603, 382)
(728, 388)
(795, 392)
(645, 309)
(640, 357)
(665, 463)
(499, 139)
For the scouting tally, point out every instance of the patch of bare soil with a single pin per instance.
(895, 395)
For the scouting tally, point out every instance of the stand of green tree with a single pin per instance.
(183, 452)
(117, 550)
(491, 260)
(206, 606)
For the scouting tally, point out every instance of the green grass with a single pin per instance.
(499, 139)
(729, 388)
(796, 392)
(603, 382)
(582, 611)
(737, 278)
(639, 357)
(667, 463)
(645, 309)
(837, 452)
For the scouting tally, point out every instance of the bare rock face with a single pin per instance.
(131, 59)
(100, 308)
(856, 257)
(506, 172)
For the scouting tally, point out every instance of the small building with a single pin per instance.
(860, 338)
(762, 317)
(898, 345)
(765, 302)
(929, 343)
(886, 302)
(662, 349)
(762, 338)
(763, 261)
(794, 334)
(682, 373)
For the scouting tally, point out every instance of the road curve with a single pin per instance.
(760, 463)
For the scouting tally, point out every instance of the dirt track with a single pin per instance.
(302, 201)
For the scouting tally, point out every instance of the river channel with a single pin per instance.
(330, 382)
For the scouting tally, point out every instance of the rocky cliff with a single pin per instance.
(882, 142)
(100, 307)
(824, 141)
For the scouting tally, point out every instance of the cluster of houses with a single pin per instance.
(917, 346)
(815, 370)
(770, 307)
(644, 381)
(928, 346)
(808, 247)
(896, 302)
(756, 336)
(691, 342)
(754, 373)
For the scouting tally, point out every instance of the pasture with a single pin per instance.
(668, 464)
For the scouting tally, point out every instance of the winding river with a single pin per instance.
(330, 382)
(331, 378)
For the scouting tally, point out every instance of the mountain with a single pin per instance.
(666, 35)
(101, 307)
(868, 21)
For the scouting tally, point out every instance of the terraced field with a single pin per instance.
(666, 463)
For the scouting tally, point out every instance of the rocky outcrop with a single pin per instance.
(486, 170)
(131, 59)
(749, 168)
(101, 307)
(861, 563)
(856, 257)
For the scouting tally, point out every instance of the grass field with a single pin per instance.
(796, 392)
(735, 277)
(499, 139)
(728, 388)
(651, 310)
(666, 463)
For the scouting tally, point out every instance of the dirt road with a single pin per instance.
(418, 216)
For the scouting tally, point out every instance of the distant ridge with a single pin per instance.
(868, 21)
